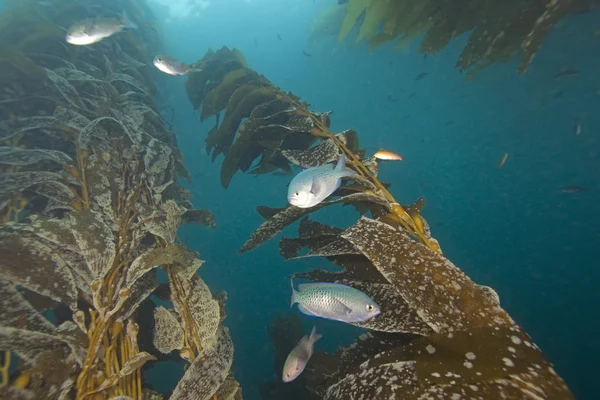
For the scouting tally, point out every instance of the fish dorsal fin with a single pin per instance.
(301, 286)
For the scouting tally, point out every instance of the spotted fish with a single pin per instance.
(298, 358)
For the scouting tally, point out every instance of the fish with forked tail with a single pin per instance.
(91, 31)
(171, 66)
(315, 184)
(298, 358)
(334, 301)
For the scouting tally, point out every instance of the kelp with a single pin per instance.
(90, 206)
(439, 333)
(498, 29)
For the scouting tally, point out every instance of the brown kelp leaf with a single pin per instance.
(93, 132)
(240, 105)
(29, 344)
(74, 337)
(129, 80)
(156, 160)
(279, 221)
(335, 247)
(390, 380)
(168, 333)
(208, 371)
(19, 156)
(103, 185)
(309, 228)
(187, 269)
(268, 212)
(135, 362)
(66, 90)
(8, 392)
(204, 217)
(216, 100)
(95, 240)
(350, 138)
(18, 312)
(205, 312)
(11, 128)
(228, 389)
(15, 182)
(37, 267)
(166, 222)
(170, 254)
(141, 289)
(325, 152)
(431, 285)
(55, 191)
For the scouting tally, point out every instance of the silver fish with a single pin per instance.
(173, 67)
(334, 301)
(94, 30)
(315, 184)
(298, 358)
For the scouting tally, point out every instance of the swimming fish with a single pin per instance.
(315, 184)
(171, 66)
(91, 31)
(298, 358)
(387, 155)
(334, 301)
(502, 160)
(572, 189)
(577, 127)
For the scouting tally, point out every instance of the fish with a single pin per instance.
(298, 358)
(315, 184)
(387, 155)
(502, 160)
(334, 301)
(306, 54)
(421, 76)
(173, 67)
(572, 189)
(342, 2)
(566, 73)
(89, 31)
(279, 36)
(577, 127)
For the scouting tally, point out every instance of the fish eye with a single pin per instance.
(369, 307)
(297, 194)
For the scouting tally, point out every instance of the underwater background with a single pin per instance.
(516, 229)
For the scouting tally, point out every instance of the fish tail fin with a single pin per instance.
(192, 69)
(314, 336)
(341, 167)
(127, 23)
(293, 299)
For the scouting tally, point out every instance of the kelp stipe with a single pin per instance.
(439, 333)
(89, 208)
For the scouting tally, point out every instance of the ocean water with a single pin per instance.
(513, 229)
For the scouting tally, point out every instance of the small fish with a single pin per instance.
(315, 184)
(298, 358)
(342, 1)
(173, 67)
(572, 189)
(279, 36)
(387, 155)
(306, 54)
(334, 301)
(91, 31)
(421, 76)
(577, 127)
(502, 160)
(566, 73)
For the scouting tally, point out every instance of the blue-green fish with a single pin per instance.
(299, 356)
(315, 184)
(334, 301)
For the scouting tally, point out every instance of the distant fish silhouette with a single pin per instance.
(502, 160)
(421, 76)
(279, 36)
(306, 54)
(577, 127)
(566, 73)
(413, 94)
(572, 189)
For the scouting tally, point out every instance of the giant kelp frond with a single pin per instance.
(499, 28)
(90, 206)
(439, 333)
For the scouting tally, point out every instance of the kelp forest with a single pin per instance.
(90, 206)
(91, 198)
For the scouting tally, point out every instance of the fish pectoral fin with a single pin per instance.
(316, 187)
(342, 307)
